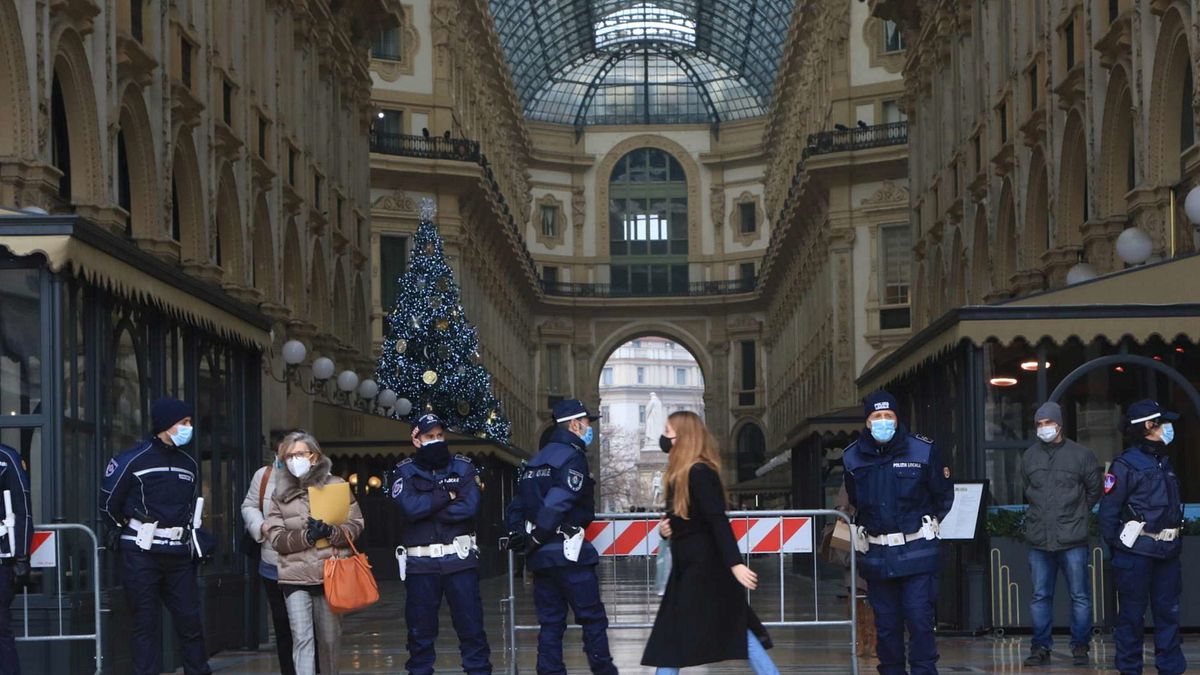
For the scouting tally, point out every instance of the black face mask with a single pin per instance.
(433, 455)
(665, 443)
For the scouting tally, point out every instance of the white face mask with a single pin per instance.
(1048, 433)
(299, 466)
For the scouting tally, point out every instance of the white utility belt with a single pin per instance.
(460, 544)
(149, 534)
(930, 530)
(1134, 529)
(572, 543)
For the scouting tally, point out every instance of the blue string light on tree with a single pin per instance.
(431, 351)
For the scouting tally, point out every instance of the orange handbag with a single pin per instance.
(349, 583)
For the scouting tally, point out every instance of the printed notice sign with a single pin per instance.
(963, 519)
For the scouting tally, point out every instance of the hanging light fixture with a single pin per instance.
(1032, 366)
(1134, 246)
(1191, 205)
(1002, 381)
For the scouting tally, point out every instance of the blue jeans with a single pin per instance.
(760, 661)
(1043, 568)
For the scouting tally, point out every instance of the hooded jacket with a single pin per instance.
(301, 563)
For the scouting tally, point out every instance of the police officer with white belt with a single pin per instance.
(440, 498)
(151, 493)
(16, 539)
(1141, 517)
(547, 517)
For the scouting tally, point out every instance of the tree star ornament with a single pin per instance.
(427, 208)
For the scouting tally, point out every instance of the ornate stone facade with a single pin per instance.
(228, 138)
(1049, 128)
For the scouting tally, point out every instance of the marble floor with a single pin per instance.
(374, 639)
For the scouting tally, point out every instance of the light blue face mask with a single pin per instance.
(182, 436)
(1168, 433)
(587, 436)
(883, 430)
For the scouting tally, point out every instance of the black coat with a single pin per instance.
(703, 617)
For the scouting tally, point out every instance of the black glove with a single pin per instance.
(21, 570)
(515, 541)
(536, 539)
(317, 529)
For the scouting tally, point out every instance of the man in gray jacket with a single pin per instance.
(1062, 483)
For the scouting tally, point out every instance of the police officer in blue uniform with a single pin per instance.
(1140, 519)
(901, 490)
(150, 493)
(440, 499)
(552, 507)
(16, 539)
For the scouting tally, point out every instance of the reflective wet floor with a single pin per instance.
(374, 639)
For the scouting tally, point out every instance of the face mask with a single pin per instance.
(883, 430)
(1047, 434)
(665, 443)
(433, 454)
(299, 466)
(182, 436)
(1168, 433)
(587, 436)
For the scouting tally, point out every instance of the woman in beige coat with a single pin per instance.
(293, 534)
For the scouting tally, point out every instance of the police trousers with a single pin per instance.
(422, 602)
(8, 644)
(154, 579)
(554, 590)
(1143, 581)
(900, 602)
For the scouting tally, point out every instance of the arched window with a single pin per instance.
(60, 148)
(751, 451)
(124, 193)
(648, 227)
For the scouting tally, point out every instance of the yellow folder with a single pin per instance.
(330, 503)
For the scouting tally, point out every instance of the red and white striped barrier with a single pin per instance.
(754, 535)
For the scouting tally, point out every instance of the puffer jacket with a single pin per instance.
(254, 516)
(301, 563)
(1062, 484)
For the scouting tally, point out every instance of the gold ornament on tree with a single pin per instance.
(442, 324)
(429, 377)
(464, 408)
(401, 346)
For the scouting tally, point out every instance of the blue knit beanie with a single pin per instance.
(166, 412)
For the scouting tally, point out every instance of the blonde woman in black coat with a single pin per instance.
(704, 617)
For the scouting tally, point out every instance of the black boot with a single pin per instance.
(1038, 656)
(1079, 655)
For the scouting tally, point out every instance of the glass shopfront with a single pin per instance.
(80, 365)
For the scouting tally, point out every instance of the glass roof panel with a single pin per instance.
(642, 61)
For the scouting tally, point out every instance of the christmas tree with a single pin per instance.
(431, 352)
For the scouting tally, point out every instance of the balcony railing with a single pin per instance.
(432, 147)
(694, 288)
(857, 138)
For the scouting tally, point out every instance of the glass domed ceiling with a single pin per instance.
(584, 62)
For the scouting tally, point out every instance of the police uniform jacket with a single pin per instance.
(554, 490)
(153, 482)
(15, 480)
(893, 486)
(1141, 485)
(431, 516)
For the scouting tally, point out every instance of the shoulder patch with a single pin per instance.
(1110, 482)
(924, 438)
(111, 468)
(397, 487)
(406, 460)
(574, 480)
(463, 458)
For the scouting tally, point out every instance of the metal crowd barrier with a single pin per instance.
(779, 533)
(61, 596)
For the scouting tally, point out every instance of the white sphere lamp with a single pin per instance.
(387, 398)
(403, 407)
(1134, 246)
(1191, 205)
(322, 368)
(368, 389)
(347, 381)
(294, 352)
(1080, 273)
